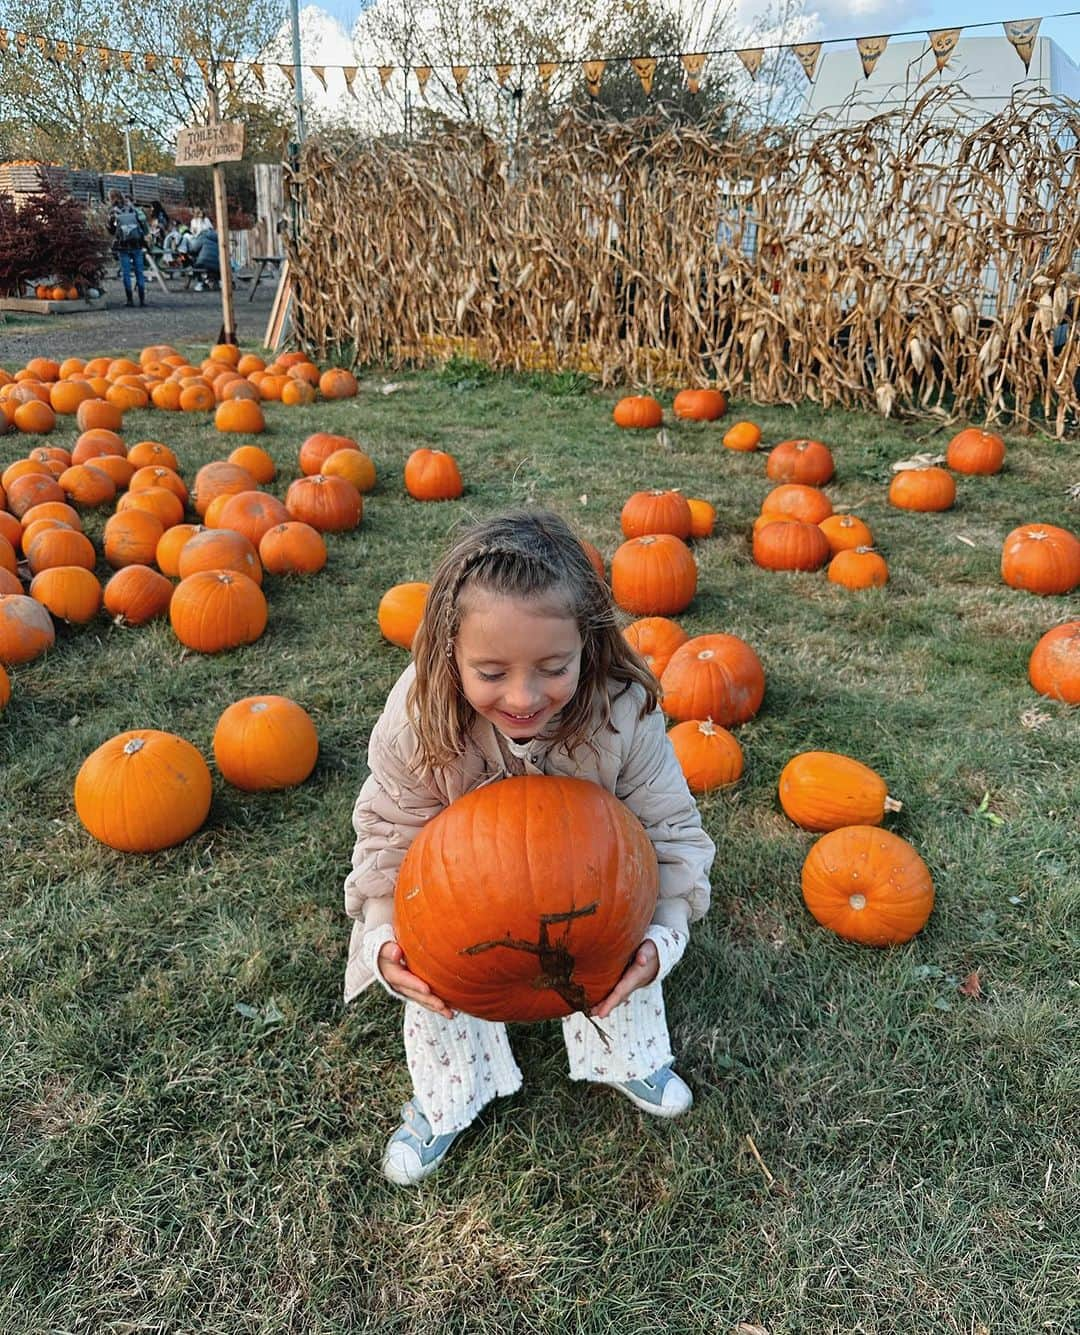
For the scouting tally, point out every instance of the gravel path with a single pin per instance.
(174, 316)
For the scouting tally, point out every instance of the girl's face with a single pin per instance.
(519, 661)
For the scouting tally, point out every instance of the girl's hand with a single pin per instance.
(640, 972)
(393, 969)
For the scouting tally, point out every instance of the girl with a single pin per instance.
(519, 667)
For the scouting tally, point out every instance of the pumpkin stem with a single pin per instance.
(136, 744)
(892, 804)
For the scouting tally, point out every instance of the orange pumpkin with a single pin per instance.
(858, 568)
(790, 545)
(136, 594)
(71, 593)
(638, 411)
(143, 791)
(337, 383)
(975, 452)
(60, 547)
(716, 677)
(252, 513)
(264, 743)
(653, 576)
(804, 461)
(702, 518)
(159, 501)
(329, 504)
(5, 682)
(475, 878)
(700, 405)
(34, 418)
(292, 549)
(867, 885)
(708, 755)
(98, 414)
(656, 512)
(845, 532)
(317, 448)
(256, 461)
(131, 538)
(353, 465)
(217, 479)
(26, 629)
(655, 639)
(923, 489)
(1054, 666)
(821, 790)
(400, 610)
(742, 436)
(240, 415)
(214, 610)
(219, 549)
(798, 501)
(170, 545)
(432, 475)
(1040, 558)
(86, 485)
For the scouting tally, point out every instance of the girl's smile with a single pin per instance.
(519, 661)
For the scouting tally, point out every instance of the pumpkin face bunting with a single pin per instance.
(867, 885)
(526, 898)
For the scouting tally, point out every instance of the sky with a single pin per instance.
(869, 18)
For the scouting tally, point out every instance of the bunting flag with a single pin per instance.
(42, 45)
(807, 54)
(289, 73)
(502, 73)
(150, 62)
(21, 40)
(545, 69)
(103, 57)
(179, 68)
(127, 59)
(751, 58)
(228, 68)
(319, 72)
(349, 74)
(204, 69)
(594, 72)
(870, 49)
(1022, 34)
(78, 53)
(385, 72)
(645, 69)
(943, 41)
(61, 52)
(693, 65)
(3, 39)
(423, 74)
(460, 73)
(260, 75)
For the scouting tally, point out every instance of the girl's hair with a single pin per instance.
(530, 554)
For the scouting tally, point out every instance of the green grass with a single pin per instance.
(171, 1163)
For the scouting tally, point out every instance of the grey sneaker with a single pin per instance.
(664, 1094)
(413, 1152)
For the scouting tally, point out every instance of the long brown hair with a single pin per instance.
(521, 554)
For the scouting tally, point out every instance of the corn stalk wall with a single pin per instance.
(915, 262)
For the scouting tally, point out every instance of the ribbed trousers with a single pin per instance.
(459, 1065)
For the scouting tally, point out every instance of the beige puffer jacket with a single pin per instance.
(634, 761)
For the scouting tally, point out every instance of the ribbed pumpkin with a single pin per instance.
(137, 594)
(699, 405)
(744, 437)
(219, 549)
(653, 576)
(337, 383)
(32, 489)
(265, 742)
(219, 478)
(975, 452)
(708, 755)
(655, 639)
(243, 416)
(432, 475)
(329, 504)
(806, 461)
(845, 532)
(319, 447)
(526, 898)
(716, 677)
(1054, 666)
(821, 790)
(214, 610)
(26, 629)
(131, 538)
(400, 610)
(637, 411)
(86, 485)
(790, 545)
(252, 513)
(292, 549)
(353, 465)
(159, 501)
(143, 791)
(798, 501)
(60, 547)
(923, 489)
(656, 512)
(71, 593)
(860, 568)
(867, 885)
(171, 544)
(1039, 558)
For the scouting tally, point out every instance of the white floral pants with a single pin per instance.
(459, 1065)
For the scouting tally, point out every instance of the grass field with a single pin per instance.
(872, 1149)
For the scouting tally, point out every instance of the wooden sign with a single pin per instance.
(202, 145)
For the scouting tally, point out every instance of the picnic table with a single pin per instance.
(264, 262)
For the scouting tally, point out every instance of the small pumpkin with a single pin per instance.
(858, 568)
(353, 465)
(26, 629)
(219, 549)
(71, 593)
(59, 547)
(716, 677)
(337, 383)
(822, 790)
(867, 885)
(137, 594)
(400, 611)
(170, 545)
(845, 532)
(657, 511)
(790, 545)
(432, 475)
(243, 416)
(708, 755)
(798, 501)
(252, 513)
(923, 489)
(655, 639)
(1039, 558)
(700, 405)
(143, 791)
(653, 576)
(264, 743)
(318, 447)
(294, 548)
(979, 453)
(702, 517)
(214, 610)
(744, 437)
(329, 504)
(1054, 666)
(131, 538)
(256, 461)
(638, 411)
(805, 461)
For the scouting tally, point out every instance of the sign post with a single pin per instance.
(213, 144)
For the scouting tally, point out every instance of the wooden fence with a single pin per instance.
(919, 261)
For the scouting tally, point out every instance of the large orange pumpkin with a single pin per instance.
(26, 629)
(922, 489)
(654, 576)
(400, 610)
(821, 790)
(657, 511)
(790, 545)
(1054, 666)
(975, 452)
(337, 383)
(867, 885)
(805, 461)
(240, 415)
(700, 405)
(265, 742)
(318, 447)
(143, 791)
(71, 593)
(1040, 558)
(432, 475)
(217, 609)
(136, 594)
(638, 411)
(716, 677)
(526, 899)
(329, 504)
(294, 548)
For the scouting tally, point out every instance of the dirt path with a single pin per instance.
(174, 316)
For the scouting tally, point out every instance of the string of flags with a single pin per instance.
(1022, 33)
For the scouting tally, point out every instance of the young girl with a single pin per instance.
(519, 667)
